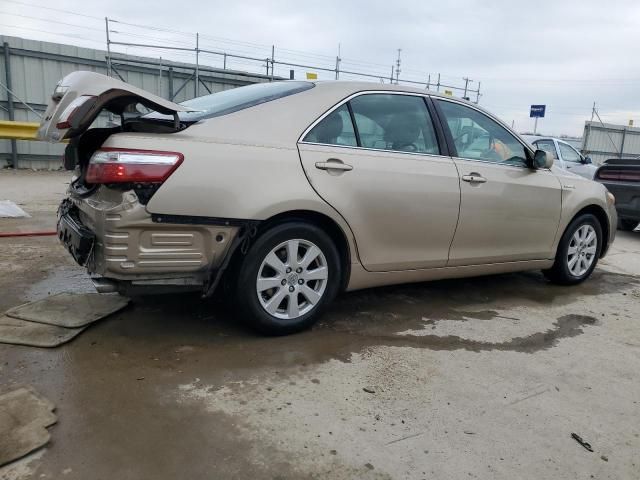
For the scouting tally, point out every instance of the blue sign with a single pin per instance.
(537, 111)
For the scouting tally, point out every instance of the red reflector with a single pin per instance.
(131, 166)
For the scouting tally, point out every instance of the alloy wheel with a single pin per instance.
(292, 279)
(582, 250)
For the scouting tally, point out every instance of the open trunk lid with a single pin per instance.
(80, 96)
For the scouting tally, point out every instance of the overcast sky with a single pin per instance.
(565, 54)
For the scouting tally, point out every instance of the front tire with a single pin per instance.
(290, 274)
(578, 251)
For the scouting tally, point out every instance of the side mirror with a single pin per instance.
(542, 159)
(587, 160)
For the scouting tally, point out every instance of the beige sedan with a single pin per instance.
(291, 192)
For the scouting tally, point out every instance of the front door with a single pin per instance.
(508, 211)
(385, 175)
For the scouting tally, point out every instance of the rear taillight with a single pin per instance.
(114, 165)
(621, 175)
(66, 119)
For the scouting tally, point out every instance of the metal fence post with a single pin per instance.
(273, 60)
(10, 107)
(197, 64)
(170, 81)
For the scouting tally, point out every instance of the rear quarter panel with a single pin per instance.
(231, 179)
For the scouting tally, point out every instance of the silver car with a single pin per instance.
(565, 156)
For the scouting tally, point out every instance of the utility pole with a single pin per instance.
(398, 67)
(466, 86)
(478, 94)
(106, 27)
(338, 60)
(391, 77)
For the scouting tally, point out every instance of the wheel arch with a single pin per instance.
(598, 212)
(327, 224)
(321, 220)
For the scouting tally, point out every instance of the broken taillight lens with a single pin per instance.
(66, 118)
(114, 165)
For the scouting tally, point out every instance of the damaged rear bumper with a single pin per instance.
(111, 233)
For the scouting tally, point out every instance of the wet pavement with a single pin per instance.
(471, 378)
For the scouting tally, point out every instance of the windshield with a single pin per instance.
(235, 99)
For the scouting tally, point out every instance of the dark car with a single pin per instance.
(621, 176)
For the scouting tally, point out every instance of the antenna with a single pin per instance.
(398, 66)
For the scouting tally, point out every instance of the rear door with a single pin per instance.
(81, 96)
(376, 159)
(509, 212)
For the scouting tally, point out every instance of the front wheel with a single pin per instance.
(578, 251)
(288, 277)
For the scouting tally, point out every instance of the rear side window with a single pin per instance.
(394, 122)
(235, 99)
(335, 129)
(382, 121)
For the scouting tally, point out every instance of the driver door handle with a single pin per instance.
(334, 164)
(474, 178)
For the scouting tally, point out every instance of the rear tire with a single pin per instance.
(627, 225)
(578, 251)
(289, 276)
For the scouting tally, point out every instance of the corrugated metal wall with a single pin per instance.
(604, 141)
(37, 66)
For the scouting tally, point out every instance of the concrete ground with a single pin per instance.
(476, 378)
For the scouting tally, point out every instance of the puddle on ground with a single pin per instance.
(159, 326)
(63, 279)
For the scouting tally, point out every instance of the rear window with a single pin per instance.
(235, 99)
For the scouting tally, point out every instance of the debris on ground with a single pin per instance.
(56, 319)
(24, 418)
(8, 209)
(369, 390)
(579, 439)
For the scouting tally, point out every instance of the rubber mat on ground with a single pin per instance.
(22, 332)
(24, 418)
(71, 310)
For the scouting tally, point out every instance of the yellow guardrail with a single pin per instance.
(18, 130)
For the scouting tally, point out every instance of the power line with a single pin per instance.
(53, 9)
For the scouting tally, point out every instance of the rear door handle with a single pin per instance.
(334, 164)
(474, 178)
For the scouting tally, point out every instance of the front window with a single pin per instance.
(478, 137)
(235, 99)
(569, 154)
(548, 146)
